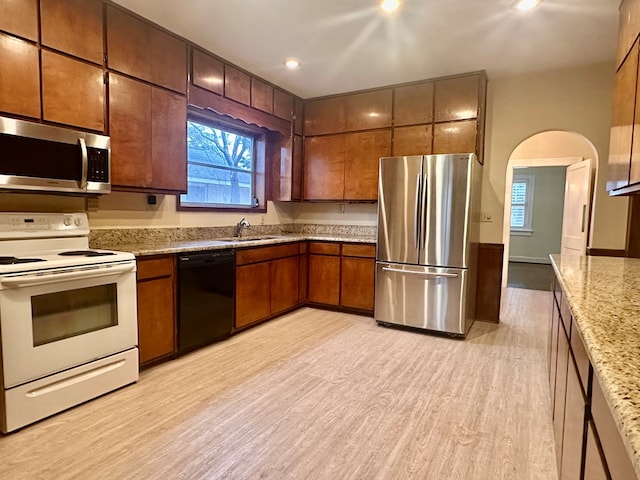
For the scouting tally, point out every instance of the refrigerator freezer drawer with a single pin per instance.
(430, 298)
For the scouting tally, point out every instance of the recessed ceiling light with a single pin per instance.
(292, 63)
(389, 5)
(525, 5)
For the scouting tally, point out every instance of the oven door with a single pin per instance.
(54, 320)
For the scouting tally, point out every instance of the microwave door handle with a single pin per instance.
(34, 279)
(85, 163)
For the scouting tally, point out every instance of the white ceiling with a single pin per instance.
(347, 45)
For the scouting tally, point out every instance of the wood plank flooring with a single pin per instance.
(319, 395)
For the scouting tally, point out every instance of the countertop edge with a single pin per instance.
(599, 364)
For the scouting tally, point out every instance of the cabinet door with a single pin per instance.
(456, 98)
(455, 137)
(594, 465)
(324, 279)
(298, 114)
(574, 423)
(561, 391)
(73, 92)
(284, 284)
(156, 322)
(553, 353)
(253, 293)
(168, 141)
(414, 140)
(261, 96)
(19, 17)
(237, 85)
(168, 56)
(357, 283)
(208, 72)
(629, 27)
(20, 78)
(323, 116)
(324, 167)
(303, 273)
(362, 154)
(130, 131)
(634, 171)
(368, 110)
(282, 105)
(74, 27)
(624, 93)
(413, 104)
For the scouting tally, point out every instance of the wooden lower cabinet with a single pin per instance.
(560, 392)
(267, 282)
(594, 465)
(574, 424)
(156, 308)
(324, 279)
(357, 283)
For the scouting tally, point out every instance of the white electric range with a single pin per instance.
(68, 318)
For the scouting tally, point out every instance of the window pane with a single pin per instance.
(519, 193)
(220, 166)
(517, 216)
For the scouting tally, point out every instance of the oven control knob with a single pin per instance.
(78, 222)
(67, 221)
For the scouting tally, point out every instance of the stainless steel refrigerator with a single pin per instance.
(428, 229)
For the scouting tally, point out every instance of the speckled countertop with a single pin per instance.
(604, 296)
(142, 242)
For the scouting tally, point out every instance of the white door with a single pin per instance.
(577, 208)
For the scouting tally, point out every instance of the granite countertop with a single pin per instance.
(604, 296)
(146, 246)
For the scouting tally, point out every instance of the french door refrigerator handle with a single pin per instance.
(418, 212)
(421, 274)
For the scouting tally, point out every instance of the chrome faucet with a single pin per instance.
(244, 223)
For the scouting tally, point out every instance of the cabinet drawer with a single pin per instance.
(261, 254)
(324, 248)
(580, 356)
(155, 267)
(358, 250)
(565, 314)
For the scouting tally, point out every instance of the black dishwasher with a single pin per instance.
(205, 298)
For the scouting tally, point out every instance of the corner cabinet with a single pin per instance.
(588, 443)
(156, 290)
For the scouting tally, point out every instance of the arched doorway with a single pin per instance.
(545, 150)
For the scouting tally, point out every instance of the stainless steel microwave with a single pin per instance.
(45, 158)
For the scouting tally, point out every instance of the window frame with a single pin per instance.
(258, 173)
(529, 180)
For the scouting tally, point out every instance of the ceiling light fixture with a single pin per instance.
(292, 63)
(389, 5)
(526, 5)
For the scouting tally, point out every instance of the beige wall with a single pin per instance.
(576, 100)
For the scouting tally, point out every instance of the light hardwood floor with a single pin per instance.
(319, 395)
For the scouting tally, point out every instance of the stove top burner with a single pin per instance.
(14, 260)
(85, 253)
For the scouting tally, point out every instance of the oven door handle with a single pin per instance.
(34, 279)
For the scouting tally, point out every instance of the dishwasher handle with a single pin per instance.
(208, 258)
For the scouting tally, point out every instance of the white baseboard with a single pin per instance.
(530, 260)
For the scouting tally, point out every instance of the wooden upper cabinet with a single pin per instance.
(19, 77)
(624, 92)
(368, 110)
(261, 95)
(455, 137)
(413, 104)
(325, 115)
(298, 112)
(208, 72)
(168, 141)
(237, 85)
(143, 51)
(19, 17)
(130, 131)
(282, 105)
(414, 140)
(73, 92)
(634, 170)
(629, 28)
(74, 27)
(324, 167)
(457, 98)
(362, 154)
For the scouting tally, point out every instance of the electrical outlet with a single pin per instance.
(92, 204)
(486, 217)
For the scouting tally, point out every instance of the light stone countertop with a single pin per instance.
(145, 247)
(604, 296)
